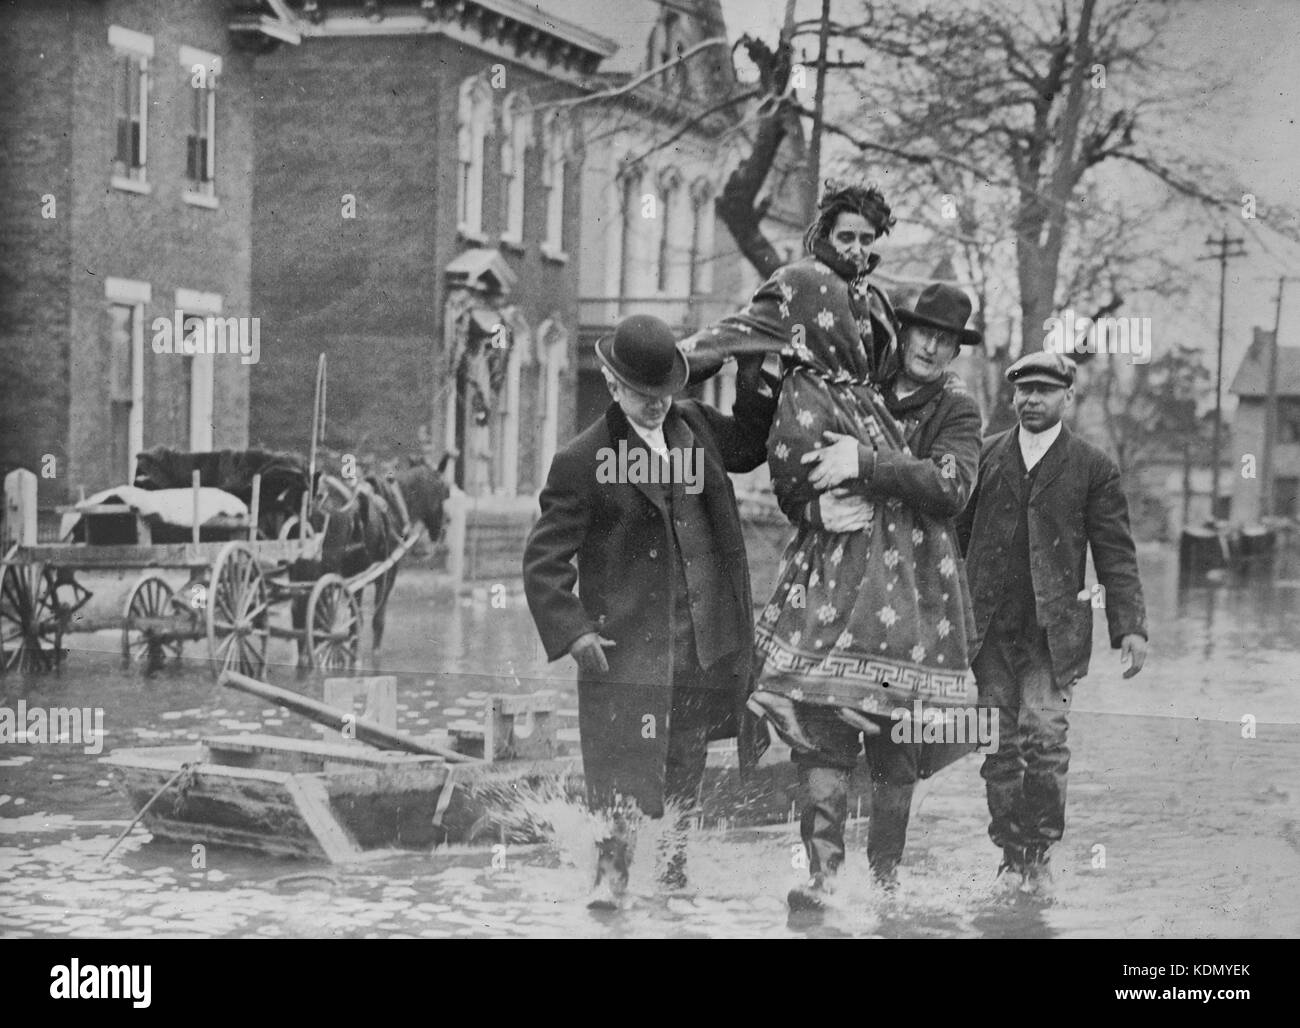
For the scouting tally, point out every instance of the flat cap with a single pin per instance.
(1052, 368)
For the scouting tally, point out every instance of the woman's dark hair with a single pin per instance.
(840, 198)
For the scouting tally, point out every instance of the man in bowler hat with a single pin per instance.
(1043, 497)
(661, 624)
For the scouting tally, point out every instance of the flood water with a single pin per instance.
(1177, 824)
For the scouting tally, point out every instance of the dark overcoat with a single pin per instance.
(619, 533)
(1076, 502)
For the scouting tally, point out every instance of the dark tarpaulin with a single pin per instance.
(284, 475)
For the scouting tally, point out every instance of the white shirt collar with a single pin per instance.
(654, 439)
(1033, 445)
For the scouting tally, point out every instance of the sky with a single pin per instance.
(1250, 127)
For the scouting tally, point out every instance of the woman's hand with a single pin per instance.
(836, 462)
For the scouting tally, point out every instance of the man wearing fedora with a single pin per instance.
(1044, 496)
(933, 477)
(661, 625)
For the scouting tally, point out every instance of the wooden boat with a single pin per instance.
(344, 801)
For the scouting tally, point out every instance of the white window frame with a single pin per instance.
(703, 195)
(193, 303)
(127, 43)
(556, 143)
(668, 187)
(629, 181)
(474, 112)
(516, 139)
(135, 294)
(205, 195)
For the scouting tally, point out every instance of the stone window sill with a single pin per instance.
(132, 185)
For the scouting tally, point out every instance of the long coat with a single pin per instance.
(625, 549)
(1076, 502)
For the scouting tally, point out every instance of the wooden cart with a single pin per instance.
(232, 582)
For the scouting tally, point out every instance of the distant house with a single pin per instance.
(416, 219)
(1251, 389)
(125, 197)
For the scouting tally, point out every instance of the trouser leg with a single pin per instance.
(825, 810)
(824, 775)
(692, 715)
(893, 777)
(1003, 768)
(1044, 710)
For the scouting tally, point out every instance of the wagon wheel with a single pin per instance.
(31, 620)
(237, 612)
(151, 598)
(333, 625)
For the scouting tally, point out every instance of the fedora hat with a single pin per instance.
(643, 355)
(942, 306)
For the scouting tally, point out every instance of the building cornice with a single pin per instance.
(505, 28)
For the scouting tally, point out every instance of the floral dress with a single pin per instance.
(875, 619)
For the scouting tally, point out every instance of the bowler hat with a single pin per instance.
(1052, 368)
(642, 354)
(942, 306)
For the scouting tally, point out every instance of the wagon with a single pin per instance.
(242, 535)
(219, 586)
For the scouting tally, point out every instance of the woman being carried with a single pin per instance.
(872, 616)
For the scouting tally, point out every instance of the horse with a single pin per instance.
(363, 525)
(424, 492)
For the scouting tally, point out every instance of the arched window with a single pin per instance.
(668, 224)
(701, 260)
(629, 185)
(474, 115)
(666, 45)
(516, 138)
(554, 167)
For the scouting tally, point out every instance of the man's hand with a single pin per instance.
(588, 651)
(841, 511)
(836, 462)
(1133, 652)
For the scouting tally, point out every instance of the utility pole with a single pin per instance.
(1270, 410)
(1224, 245)
(815, 147)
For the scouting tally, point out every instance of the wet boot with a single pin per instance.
(614, 861)
(672, 855)
(1013, 861)
(813, 894)
(891, 808)
(1038, 866)
(826, 809)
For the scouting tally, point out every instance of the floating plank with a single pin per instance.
(252, 750)
(364, 730)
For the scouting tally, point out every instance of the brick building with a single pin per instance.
(416, 219)
(125, 196)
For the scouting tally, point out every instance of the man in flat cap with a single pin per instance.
(661, 625)
(1043, 497)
